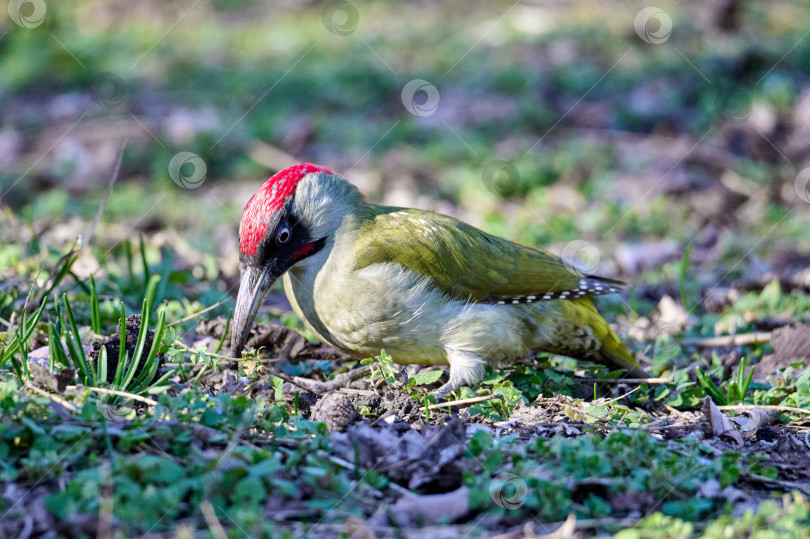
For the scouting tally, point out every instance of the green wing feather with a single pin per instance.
(462, 260)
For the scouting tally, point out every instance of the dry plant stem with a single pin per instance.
(91, 230)
(730, 340)
(353, 391)
(343, 379)
(292, 381)
(582, 425)
(105, 391)
(187, 348)
(464, 403)
(430, 443)
(622, 396)
(583, 524)
(667, 380)
(195, 315)
(54, 398)
(672, 410)
(349, 466)
(787, 485)
(737, 407)
(383, 417)
(224, 456)
(211, 519)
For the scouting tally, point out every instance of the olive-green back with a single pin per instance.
(460, 259)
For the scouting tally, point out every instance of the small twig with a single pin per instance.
(581, 425)
(464, 403)
(226, 454)
(737, 407)
(342, 379)
(211, 519)
(433, 440)
(621, 396)
(730, 340)
(54, 398)
(198, 313)
(349, 466)
(91, 230)
(667, 380)
(786, 484)
(292, 381)
(527, 529)
(391, 412)
(105, 391)
(672, 410)
(353, 391)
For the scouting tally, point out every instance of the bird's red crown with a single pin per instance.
(267, 200)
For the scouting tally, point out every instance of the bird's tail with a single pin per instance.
(609, 350)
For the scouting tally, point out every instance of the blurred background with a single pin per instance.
(614, 133)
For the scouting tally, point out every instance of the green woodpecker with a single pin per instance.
(425, 287)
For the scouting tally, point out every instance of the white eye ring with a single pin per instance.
(283, 235)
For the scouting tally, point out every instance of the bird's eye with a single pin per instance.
(283, 235)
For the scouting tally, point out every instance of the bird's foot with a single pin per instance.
(445, 390)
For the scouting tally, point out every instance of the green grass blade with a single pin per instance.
(56, 350)
(102, 365)
(136, 356)
(17, 367)
(14, 346)
(95, 313)
(63, 271)
(145, 310)
(130, 268)
(146, 274)
(709, 387)
(22, 335)
(51, 349)
(80, 282)
(165, 270)
(20, 367)
(224, 333)
(151, 365)
(122, 357)
(161, 381)
(119, 371)
(75, 346)
(748, 380)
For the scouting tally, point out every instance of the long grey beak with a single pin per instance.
(256, 282)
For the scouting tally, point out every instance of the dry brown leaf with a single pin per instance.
(720, 425)
(424, 510)
(749, 421)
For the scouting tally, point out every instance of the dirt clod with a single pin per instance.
(112, 344)
(335, 410)
(41, 377)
